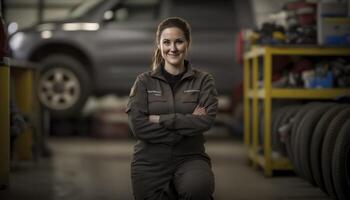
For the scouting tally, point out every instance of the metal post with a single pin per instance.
(255, 111)
(267, 112)
(4, 125)
(41, 5)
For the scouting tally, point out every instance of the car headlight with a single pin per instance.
(16, 40)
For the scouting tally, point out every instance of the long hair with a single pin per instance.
(168, 23)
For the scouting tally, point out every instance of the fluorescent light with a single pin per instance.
(80, 26)
(46, 34)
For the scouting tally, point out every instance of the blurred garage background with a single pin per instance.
(282, 70)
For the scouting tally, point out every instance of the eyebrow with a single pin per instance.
(175, 39)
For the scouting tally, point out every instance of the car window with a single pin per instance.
(133, 11)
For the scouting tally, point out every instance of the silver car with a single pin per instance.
(103, 44)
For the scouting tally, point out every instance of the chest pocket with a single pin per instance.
(190, 96)
(157, 103)
(155, 98)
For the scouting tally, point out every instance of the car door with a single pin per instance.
(125, 43)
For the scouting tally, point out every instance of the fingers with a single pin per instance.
(199, 111)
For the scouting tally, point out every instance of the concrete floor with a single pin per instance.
(93, 169)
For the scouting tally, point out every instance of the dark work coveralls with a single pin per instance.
(169, 159)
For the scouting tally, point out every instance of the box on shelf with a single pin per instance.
(332, 9)
(334, 31)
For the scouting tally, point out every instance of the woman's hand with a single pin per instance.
(199, 111)
(154, 118)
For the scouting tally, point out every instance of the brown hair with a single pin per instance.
(168, 23)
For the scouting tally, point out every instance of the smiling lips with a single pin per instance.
(173, 55)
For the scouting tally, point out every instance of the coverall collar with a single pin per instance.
(157, 73)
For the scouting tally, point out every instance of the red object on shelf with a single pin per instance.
(239, 48)
(299, 4)
(305, 12)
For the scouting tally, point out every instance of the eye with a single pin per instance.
(179, 41)
(166, 42)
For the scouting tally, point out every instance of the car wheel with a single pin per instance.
(63, 85)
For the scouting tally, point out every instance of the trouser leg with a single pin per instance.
(194, 180)
(154, 188)
(153, 180)
(166, 193)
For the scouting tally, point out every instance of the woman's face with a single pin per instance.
(173, 46)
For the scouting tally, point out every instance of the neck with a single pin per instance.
(174, 69)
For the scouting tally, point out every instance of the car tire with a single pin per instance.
(340, 163)
(63, 85)
(285, 120)
(328, 148)
(275, 139)
(304, 136)
(293, 139)
(317, 141)
(290, 122)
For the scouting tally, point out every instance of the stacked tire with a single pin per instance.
(316, 138)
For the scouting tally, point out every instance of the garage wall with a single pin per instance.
(262, 8)
(27, 13)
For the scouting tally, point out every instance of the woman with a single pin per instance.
(169, 108)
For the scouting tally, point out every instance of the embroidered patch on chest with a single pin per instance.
(155, 92)
(190, 91)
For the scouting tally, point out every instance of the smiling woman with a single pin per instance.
(169, 108)
(173, 46)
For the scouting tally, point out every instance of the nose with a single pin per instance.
(173, 47)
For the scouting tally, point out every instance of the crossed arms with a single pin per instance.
(170, 128)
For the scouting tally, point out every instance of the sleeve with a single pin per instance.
(188, 124)
(139, 123)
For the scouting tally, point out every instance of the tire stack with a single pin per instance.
(316, 138)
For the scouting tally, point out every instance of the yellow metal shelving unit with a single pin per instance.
(252, 95)
(17, 82)
(4, 124)
(23, 82)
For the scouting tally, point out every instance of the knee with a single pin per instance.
(196, 187)
(195, 192)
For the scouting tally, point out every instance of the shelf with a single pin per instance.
(260, 94)
(309, 93)
(303, 93)
(276, 164)
(258, 62)
(281, 163)
(336, 20)
(305, 50)
(256, 51)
